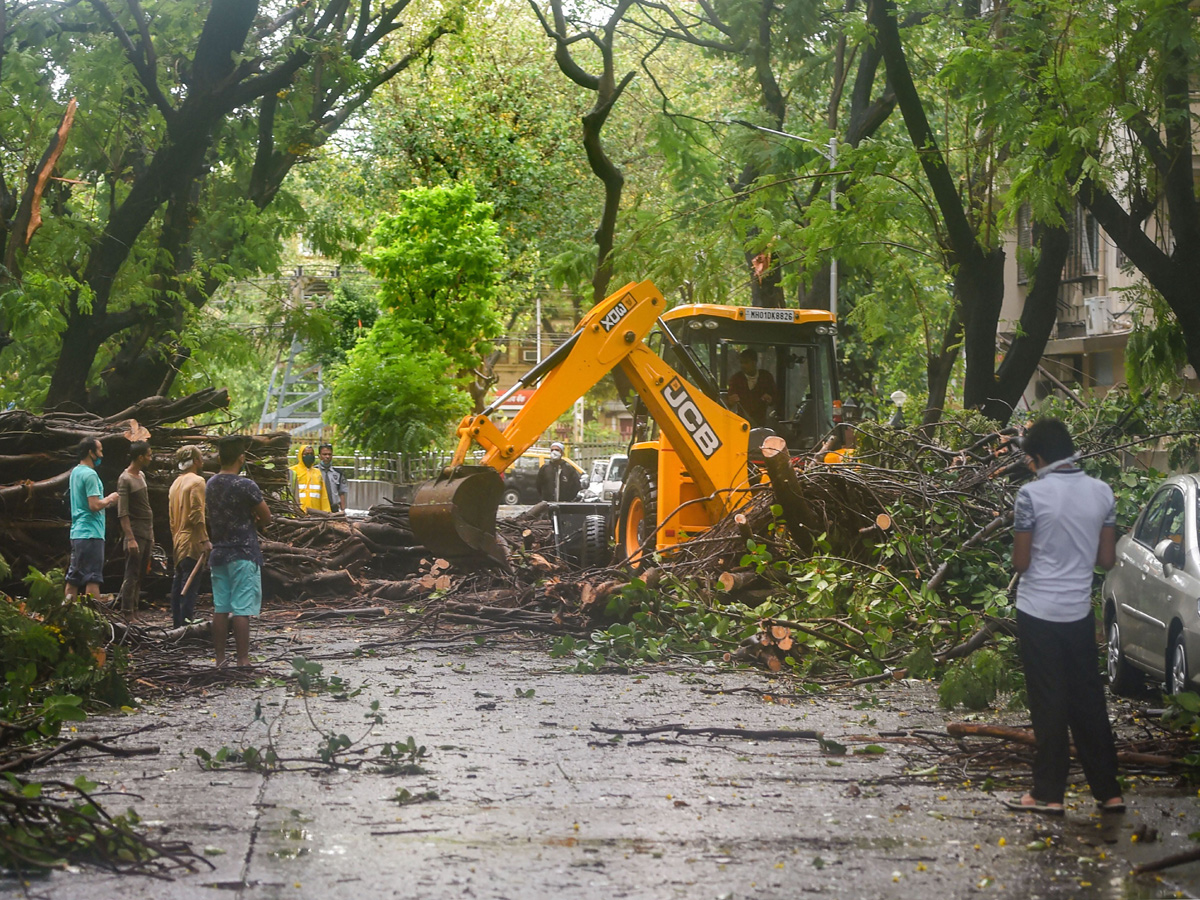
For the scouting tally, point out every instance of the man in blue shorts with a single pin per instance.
(235, 507)
(87, 521)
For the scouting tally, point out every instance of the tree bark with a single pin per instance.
(608, 91)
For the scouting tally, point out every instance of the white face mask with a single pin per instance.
(556, 454)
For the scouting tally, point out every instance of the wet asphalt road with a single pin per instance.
(531, 802)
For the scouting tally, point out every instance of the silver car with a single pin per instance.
(1152, 595)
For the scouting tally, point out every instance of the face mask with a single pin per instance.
(556, 454)
(96, 462)
(326, 464)
(308, 459)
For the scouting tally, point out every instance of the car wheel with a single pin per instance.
(595, 542)
(1177, 668)
(1123, 678)
(512, 497)
(638, 518)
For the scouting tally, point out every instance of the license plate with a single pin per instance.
(757, 314)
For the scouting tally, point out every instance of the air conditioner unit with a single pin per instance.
(529, 356)
(1099, 315)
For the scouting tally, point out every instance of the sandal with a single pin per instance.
(1034, 805)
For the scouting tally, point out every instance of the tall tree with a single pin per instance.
(439, 261)
(972, 240)
(194, 114)
(567, 31)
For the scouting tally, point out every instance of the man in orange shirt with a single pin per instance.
(189, 532)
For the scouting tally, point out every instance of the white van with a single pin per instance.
(604, 482)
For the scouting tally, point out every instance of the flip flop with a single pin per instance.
(1111, 807)
(1037, 806)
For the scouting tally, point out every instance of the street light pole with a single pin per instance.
(833, 262)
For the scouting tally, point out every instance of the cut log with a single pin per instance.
(743, 526)
(786, 487)
(737, 581)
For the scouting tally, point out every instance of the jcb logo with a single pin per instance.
(615, 315)
(691, 418)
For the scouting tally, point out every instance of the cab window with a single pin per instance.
(1163, 512)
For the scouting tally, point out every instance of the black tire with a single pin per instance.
(1177, 666)
(595, 551)
(1123, 679)
(637, 521)
(511, 497)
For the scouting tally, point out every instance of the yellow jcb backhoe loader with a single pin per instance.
(688, 464)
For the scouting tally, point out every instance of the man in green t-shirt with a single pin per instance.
(87, 520)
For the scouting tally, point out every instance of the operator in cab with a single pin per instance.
(752, 388)
(558, 480)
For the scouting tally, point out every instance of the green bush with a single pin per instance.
(54, 659)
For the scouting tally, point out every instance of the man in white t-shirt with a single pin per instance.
(1063, 527)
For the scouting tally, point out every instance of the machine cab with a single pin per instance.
(774, 367)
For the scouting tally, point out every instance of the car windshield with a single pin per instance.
(616, 469)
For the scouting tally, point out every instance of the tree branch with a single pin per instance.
(881, 15)
(143, 61)
(29, 215)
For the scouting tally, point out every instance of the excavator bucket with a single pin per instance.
(455, 514)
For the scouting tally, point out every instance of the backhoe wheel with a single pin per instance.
(638, 519)
(595, 552)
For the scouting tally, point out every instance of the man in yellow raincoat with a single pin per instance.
(309, 482)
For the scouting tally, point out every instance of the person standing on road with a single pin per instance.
(336, 488)
(86, 569)
(235, 507)
(189, 533)
(137, 524)
(1064, 526)
(558, 480)
(308, 481)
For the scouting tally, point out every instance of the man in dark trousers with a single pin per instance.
(557, 479)
(137, 524)
(335, 481)
(189, 531)
(1063, 527)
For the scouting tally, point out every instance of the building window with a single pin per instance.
(1083, 259)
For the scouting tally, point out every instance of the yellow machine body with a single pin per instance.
(701, 449)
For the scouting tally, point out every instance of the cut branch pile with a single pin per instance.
(37, 455)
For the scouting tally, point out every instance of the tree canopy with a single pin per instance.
(158, 151)
(438, 259)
